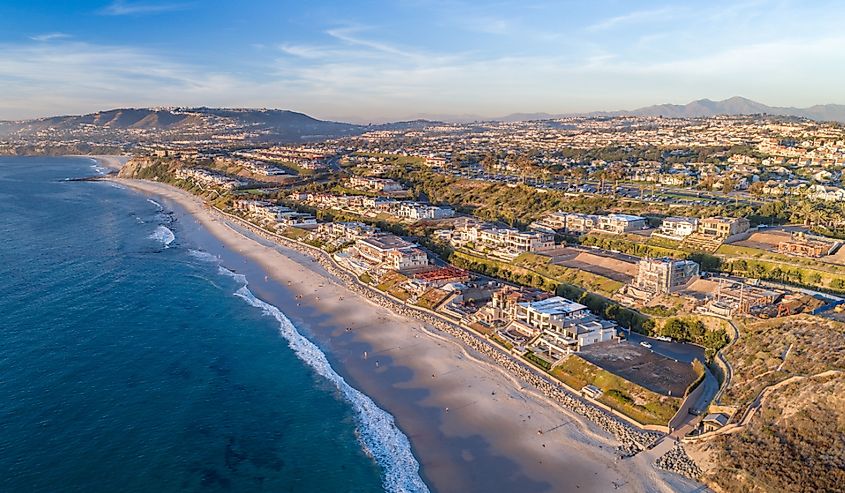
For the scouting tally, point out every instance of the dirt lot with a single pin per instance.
(700, 289)
(765, 240)
(641, 366)
(612, 268)
(837, 258)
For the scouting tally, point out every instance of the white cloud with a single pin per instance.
(49, 37)
(634, 17)
(122, 7)
(52, 78)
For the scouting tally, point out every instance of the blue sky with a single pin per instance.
(378, 60)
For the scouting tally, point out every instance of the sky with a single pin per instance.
(372, 61)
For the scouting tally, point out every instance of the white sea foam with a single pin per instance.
(160, 207)
(377, 431)
(164, 235)
(239, 278)
(98, 169)
(204, 256)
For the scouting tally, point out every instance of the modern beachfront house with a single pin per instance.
(562, 326)
(620, 223)
(392, 252)
(677, 228)
(723, 227)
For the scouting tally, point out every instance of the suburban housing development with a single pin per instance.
(617, 260)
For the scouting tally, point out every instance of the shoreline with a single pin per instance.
(493, 420)
(109, 161)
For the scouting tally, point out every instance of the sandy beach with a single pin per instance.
(107, 161)
(472, 426)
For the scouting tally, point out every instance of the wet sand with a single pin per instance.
(472, 426)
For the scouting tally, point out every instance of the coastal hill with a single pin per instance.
(175, 123)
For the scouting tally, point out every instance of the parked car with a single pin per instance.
(646, 344)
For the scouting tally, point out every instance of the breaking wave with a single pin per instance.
(204, 256)
(164, 235)
(377, 430)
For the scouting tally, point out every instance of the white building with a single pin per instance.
(391, 251)
(417, 211)
(504, 240)
(565, 326)
(621, 223)
(677, 228)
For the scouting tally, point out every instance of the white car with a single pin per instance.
(646, 344)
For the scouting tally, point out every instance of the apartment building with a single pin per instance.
(664, 275)
(621, 223)
(551, 222)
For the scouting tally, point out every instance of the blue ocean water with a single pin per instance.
(131, 362)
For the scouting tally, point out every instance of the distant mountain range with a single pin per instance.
(134, 125)
(705, 107)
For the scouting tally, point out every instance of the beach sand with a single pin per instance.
(472, 426)
(110, 162)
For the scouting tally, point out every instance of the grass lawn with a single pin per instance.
(391, 279)
(294, 233)
(432, 298)
(498, 340)
(639, 246)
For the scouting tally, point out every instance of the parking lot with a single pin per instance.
(641, 366)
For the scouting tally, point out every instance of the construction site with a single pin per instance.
(726, 297)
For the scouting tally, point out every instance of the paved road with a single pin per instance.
(676, 350)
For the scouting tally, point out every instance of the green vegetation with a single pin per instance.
(516, 205)
(635, 401)
(818, 278)
(659, 311)
(507, 345)
(700, 372)
(543, 266)
(391, 284)
(625, 245)
(432, 298)
(538, 361)
(294, 233)
(694, 331)
(502, 270)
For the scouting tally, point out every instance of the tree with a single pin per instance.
(756, 188)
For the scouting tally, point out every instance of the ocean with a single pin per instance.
(131, 360)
